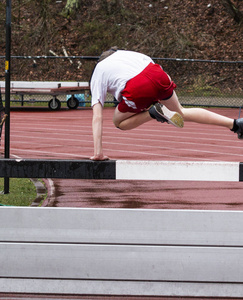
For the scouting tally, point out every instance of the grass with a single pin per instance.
(22, 192)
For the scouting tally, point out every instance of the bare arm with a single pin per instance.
(97, 125)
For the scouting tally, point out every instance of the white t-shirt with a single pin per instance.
(112, 73)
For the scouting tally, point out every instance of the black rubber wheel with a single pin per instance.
(54, 104)
(72, 103)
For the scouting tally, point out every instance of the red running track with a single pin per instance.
(67, 134)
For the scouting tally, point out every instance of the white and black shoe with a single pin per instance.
(163, 114)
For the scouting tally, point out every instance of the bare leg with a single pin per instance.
(197, 115)
(127, 121)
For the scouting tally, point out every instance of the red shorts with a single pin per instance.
(145, 89)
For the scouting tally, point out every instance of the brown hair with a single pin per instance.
(107, 53)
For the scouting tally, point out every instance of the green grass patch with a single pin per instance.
(22, 192)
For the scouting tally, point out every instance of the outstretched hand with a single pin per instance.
(99, 157)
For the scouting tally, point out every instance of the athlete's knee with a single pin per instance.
(117, 124)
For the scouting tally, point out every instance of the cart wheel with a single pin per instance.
(72, 103)
(54, 104)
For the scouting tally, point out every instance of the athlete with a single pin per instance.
(144, 92)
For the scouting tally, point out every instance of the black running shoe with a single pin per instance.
(163, 114)
(239, 131)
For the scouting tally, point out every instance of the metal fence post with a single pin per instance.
(7, 89)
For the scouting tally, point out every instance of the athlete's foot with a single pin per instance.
(163, 114)
(239, 128)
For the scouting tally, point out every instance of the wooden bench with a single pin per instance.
(121, 252)
(54, 103)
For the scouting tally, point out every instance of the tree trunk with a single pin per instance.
(233, 11)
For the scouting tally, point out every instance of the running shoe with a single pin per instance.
(163, 114)
(239, 131)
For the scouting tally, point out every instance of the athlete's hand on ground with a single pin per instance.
(99, 157)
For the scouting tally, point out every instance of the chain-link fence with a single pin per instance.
(207, 83)
(199, 82)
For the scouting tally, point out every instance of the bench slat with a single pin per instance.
(119, 262)
(122, 288)
(47, 91)
(121, 226)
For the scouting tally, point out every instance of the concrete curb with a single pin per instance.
(41, 191)
(50, 189)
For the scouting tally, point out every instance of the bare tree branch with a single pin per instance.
(233, 11)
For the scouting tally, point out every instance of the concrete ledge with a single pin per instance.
(121, 252)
